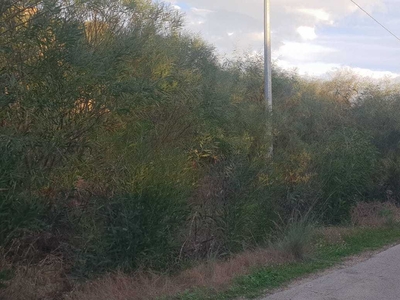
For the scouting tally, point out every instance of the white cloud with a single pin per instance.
(321, 69)
(311, 68)
(319, 14)
(256, 36)
(302, 52)
(307, 33)
(376, 74)
(201, 11)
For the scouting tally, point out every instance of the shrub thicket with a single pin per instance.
(125, 142)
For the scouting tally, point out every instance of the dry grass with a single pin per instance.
(375, 214)
(44, 281)
(216, 275)
(334, 235)
(140, 286)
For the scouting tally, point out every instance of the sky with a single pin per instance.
(312, 36)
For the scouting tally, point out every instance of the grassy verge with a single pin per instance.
(246, 275)
(324, 256)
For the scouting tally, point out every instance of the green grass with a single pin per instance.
(264, 279)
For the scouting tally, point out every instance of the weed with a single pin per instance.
(296, 238)
(375, 214)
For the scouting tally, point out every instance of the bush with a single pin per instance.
(375, 214)
(295, 238)
(346, 165)
(143, 228)
(128, 231)
(134, 145)
(20, 215)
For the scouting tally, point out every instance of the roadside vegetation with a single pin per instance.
(128, 147)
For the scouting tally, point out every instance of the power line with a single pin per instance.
(383, 26)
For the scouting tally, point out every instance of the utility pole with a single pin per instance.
(267, 68)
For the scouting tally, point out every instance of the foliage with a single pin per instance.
(347, 164)
(133, 145)
(296, 238)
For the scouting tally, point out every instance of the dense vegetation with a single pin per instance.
(125, 142)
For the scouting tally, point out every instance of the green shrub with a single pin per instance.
(346, 164)
(389, 216)
(132, 230)
(20, 214)
(295, 238)
(132, 141)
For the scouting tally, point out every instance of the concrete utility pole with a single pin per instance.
(267, 66)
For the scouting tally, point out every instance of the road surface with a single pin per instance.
(378, 278)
